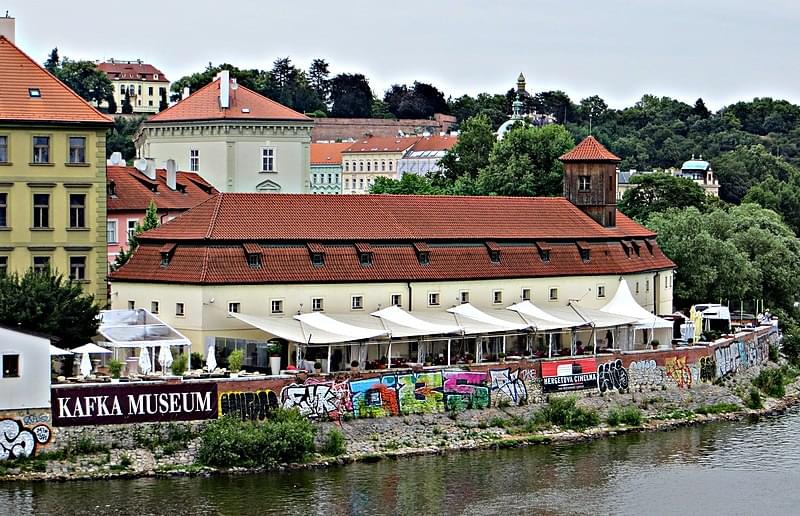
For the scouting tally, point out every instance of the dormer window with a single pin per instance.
(34, 93)
(112, 189)
(494, 251)
(253, 253)
(364, 254)
(424, 258)
(585, 252)
(167, 250)
(423, 253)
(626, 246)
(317, 254)
(544, 252)
(636, 248)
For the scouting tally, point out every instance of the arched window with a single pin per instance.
(347, 166)
(390, 166)
(347, 183)
(383, 166)
(368, 166)
(376, 166)
(360, 166)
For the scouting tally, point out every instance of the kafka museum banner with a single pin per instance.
(121, 403)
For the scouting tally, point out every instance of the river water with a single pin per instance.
(722, 468)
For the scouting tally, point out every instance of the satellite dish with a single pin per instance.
(140, 164)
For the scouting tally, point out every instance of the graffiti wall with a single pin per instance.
(23, 436)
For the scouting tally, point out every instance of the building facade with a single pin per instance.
(370, 158)
(52, 175)
(236, 139)
(143, 84)
(425, 155)
(326, 167)
(132, 189)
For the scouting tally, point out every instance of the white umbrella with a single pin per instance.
(91, 348)
(86, 365)
(55, 351)
(165, 358)
(144, 361)
(211, 359)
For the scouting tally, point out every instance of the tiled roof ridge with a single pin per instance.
(69, 90)
(239, 86)
(212, 222)
(589, 149)
(151, 119)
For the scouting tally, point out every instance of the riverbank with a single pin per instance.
(152, 450)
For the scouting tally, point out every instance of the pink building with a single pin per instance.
(131, 190)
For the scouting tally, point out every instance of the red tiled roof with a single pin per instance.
(435, 143)
(327, 153)
(590, 150)
(131, 71)
(245, 104)
(251, 248)
(132, 191)
(227, 264)
(57, 103)
(364, 218)
(382, 144)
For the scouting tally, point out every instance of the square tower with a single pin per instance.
(590, 180)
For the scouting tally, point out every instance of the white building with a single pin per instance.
(24, 370)
(236, 139)
(425, 155)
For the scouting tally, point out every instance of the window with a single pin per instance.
(314, 178)
(317, 259)
(584, 183)
(155, 78)
(10, 366)
(647, 286)
(396, 300)
(165, 259)
(553, 294)
(390, 166)
(254, 261)
(268, 159)
(585, 255)
(347, 166)
(357, 303)
(122, 89)
(149, 102)
(601, 291)
(464, 296)
(433, 299)
(365, 259)
(77, 210)
(3, 210)
(526, 294)
(368, 166)
(494, 255)
(41, 149)
(154, 307)
(194, 160)
(131, 304)
(383, 166)
(361, 183)
(179, 310)
(330, 179)
(3, 265)
(347, 183)
(360, 166)
(497, 297)
(132, 223)
(139, 90)
(111, 231)
(637, 287)
(150, 90)
(77, 149)
(34, 93)
(317, 304)
(41, 264)
(77, 268)
(277, 306)
(234, 307)
(3, 149)
(41, 210)
(424, 257)
(544, 254)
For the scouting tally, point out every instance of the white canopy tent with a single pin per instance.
(541, 320)
(56, 351)
(624, 304)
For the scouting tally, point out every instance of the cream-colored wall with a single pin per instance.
(206, 318)
(353, 175)
(230, 158)
(145, 97)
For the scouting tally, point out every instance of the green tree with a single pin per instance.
(319, 79)
(53, 61)
(410, 184)
(470, 154)
(256, 80)
(525, 162)
(700, 109)
(150, 221)
(127, 107)
(120, 137)
(112, 105)
(658, 192)
(740, 169)
(84, 78)
(351, 96)
(49, 304)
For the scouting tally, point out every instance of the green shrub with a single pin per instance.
(717, 408)
(235, 360)
(498, 422)
(179, 365)
(753, 400)
(115, 368)
(771, 382)
(335, 443)
(197, 360)
(773, 354)
(563, 412)
(286, 436)
(631, 416)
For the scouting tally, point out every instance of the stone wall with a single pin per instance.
(333, 129)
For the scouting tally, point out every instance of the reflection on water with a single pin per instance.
(731, 468)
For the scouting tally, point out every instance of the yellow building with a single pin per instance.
(52, 175)
(144, 84)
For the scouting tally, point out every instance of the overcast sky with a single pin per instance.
(720, 50)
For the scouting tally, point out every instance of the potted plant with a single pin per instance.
(354, 366)
(384, 362)
(655, 343)
(274, 350)
(197, 361)
(179, 365)
(235, 360)
(115, 368)
(318, 367)
(501, 357)
(428, 359)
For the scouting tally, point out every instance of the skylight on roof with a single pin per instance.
(34, 93)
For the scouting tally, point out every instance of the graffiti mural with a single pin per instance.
(677, 370)
(17, 440)
(465, 389)
(373, 398)
(417, 393)
(611, 375)
(741, 355)
(323, 400)
(508, 386)
(646, 373)
(708, 369)
(252, 405)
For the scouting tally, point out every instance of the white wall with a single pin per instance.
(32, 388)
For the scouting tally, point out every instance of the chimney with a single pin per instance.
(224, 89)
(150, 171)
(186, 92)
(172, 174)
(7, 27)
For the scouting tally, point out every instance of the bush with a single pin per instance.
(286, 436)
(197, 360)
(717, 408)
(235, 360)
(179, 365)
(773, 354)
(563, 412)
(771, 382)
(753, 400)
(631, 416)
(335, 443)
(115, 368)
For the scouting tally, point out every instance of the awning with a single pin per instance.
(137, 328)
(475, 321)
(404, 324)
(328, 324)
(597, 318)
(541, 320)
(623, 303)
(290, 329)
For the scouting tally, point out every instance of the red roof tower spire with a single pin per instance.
(590, 180)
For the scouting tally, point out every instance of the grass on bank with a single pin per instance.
(773, 381)
(74, 449)
(630, 416)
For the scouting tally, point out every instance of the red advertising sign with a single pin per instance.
(133, 403)
(569, 374)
